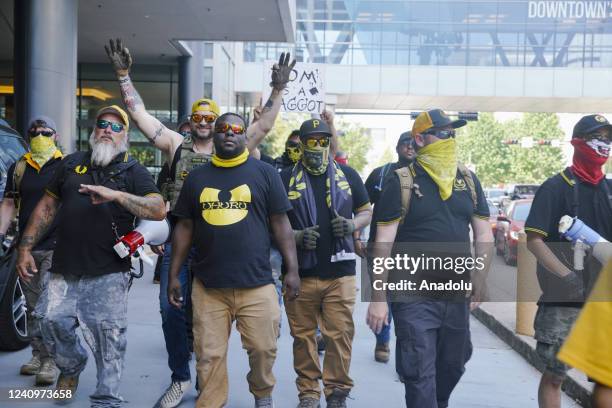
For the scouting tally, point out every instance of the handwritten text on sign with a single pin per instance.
(304, 92)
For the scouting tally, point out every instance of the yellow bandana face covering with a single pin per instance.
(294, 154)
(315, 159)
(439, 160)
(233, 162)
(43, 148)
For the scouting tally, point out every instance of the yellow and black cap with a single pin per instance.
(434, 119)
(590, 123)
(314, 127)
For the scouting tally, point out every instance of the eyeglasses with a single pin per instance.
(197, 118)
(103, 124)
(47, 133)
(442, 134)
(185, 133)
(313, 142)
(225, 127)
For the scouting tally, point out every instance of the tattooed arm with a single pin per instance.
(39, 223)
(159, 135)
(281, 73)
(149, 207)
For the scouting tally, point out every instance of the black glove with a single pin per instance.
(281, 72)
(307, 238)
(342, 226)
(575, 284)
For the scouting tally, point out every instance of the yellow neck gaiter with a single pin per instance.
(233, 162)
(43, 148)
(439, 160)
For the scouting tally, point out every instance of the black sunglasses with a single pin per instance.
(442, 134)
(47, 133)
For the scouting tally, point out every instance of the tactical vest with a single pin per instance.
(188, 161)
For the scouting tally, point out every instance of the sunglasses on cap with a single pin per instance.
(103, 124)
(48, 133)
(441, 134)
(197, 118)
(224, 127)
(314, 142)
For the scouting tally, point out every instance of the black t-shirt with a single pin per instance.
(31, 190)
(431, 219)
(267, 159)
(324, 268)
(374, 185)
(230, 209)
(554, 199)
(85, 236)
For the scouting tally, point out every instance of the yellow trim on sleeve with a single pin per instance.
(153, 194)
(51, 194)
(366, 206)
(482, 217)
(388, 222)
(537, 231)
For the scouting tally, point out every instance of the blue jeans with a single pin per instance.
(385, 333)
(176, 323)
(98, 305)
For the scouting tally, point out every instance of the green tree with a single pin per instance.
(355, 141)
(387, 156)
(535, 164)
(144, 154)
(480, 145)
(274, 143)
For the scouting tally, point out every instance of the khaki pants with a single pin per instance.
(257, 316)
(330, 302)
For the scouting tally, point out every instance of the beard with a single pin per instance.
(102, 153)
(202, 134)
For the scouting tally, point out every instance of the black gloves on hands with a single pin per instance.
(281, 72)
(307, 238)
(575, 284)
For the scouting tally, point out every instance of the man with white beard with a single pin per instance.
(96, 196)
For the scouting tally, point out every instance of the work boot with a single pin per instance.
(31, 367)
(46, 375)
(309, 403)
(320, 344)
(265, 402)
(382, 352)
(337, 399)
(174, 394)
(66, 387)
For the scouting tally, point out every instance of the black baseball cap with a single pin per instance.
(405, 137)
(433, 119)
(590, 123)
(314, 127)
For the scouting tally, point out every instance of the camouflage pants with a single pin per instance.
(552, 326)
(98, 305)
(34, 291)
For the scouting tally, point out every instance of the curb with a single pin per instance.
(571, 387)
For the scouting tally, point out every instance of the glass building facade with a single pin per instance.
(512, 33)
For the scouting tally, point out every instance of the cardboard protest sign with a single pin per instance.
(304, 92)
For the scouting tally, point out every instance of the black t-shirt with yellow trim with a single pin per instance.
(554, 199)
(31, 190)
(325, 268)
(85, 236)
(431, 219)
(230, 208)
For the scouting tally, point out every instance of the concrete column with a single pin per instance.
(46, 64)
(191, 78)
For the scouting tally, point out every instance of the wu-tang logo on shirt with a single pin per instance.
(225, 208)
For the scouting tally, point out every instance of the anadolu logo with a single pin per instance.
(218, 210)
(80, 169)
(459, 185)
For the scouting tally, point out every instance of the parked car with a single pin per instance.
(13, 318)
(495, 195)
(509, 224)
(521, 191)
(493, 214)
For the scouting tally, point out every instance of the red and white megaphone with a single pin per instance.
(146, 232)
